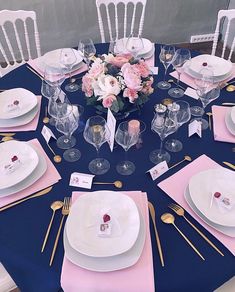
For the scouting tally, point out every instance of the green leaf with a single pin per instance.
(115, 107)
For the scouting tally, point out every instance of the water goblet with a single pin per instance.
(180, 57)
(96, 133)
(166, 56)
(182, 112)
(88, 50)
(68, 59)
(164, 123)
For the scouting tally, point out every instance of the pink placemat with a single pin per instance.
(31, 126)
(190, 80)
(221, 133)
(176, 184)
(34, 64)
(138, 278)
(50, 177)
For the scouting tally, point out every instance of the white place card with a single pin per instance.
(195, 127)
(47, 134)
(154, 70)
(191, 92)
(111, 124)
(81, 180)
(158, 170)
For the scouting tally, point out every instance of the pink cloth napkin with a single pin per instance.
(221, 133)
(176, 184)
(31, 126)
(190, 80)
(34, 64)
(138, 278)
(151, 61)
(50, 177)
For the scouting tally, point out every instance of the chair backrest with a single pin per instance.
(18, 38)
(229, 14)
(118, 6)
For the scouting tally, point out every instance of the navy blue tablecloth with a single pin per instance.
(23, 227)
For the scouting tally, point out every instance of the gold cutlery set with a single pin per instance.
(65, 211)
(169, 218)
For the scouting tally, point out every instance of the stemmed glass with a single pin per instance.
(182, 112)
(181, 56)
(166, 55)
(88, 50)
(96, 133)
(164, 123)
(207, 91)
(67, 125)
(55, 103)
(134, 44)
(68, 59)
(126, 136)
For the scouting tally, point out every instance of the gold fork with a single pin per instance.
(180, 211)
(65, 212)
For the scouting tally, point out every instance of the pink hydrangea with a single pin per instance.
(120, 60)
(131, 94)
(108, 101)
(131, 77)
(87, 85)
(142, 68)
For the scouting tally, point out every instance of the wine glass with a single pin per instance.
(96, 133)
(134, 44)
(181, 56)
(88, 50)
(182, 112)
(127, 135)
(207, 91)
(166, 56)
(68, 59)
(164, 124)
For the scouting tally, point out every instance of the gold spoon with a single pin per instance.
(209, 117)
(170, 219)
(7, 134)
(56, 158)
(117, 183)
(230, 88)
(167, 101)
(186, 158)
(54, 206)
(172, 81)
(6, 138)
(45, 119)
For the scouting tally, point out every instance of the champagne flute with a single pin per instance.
(96, 133)
(166, 56)
(68, 59)
(88, 50)
(164, 124)
(134, 44)
(181, 56)
(181, 109)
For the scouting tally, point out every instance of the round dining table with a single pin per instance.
(22, 228)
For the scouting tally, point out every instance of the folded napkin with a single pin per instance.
(137, 278)
(35, 65)
(221, 133)
(176, 184)
(50, 177)
(31, 126)
(185, 78)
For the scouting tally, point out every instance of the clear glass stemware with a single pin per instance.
(87, 49)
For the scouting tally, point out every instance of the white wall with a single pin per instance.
(63, 22)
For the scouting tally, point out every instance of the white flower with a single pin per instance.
(106, 85)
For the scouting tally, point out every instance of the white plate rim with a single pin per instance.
(35, 176)
(120, 259)
(29, 172)
(229, 122)
(142, 52)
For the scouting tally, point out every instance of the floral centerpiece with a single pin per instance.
(118, 82)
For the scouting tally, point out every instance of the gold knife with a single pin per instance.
(38, 194)
(229, 164)
(7, 134)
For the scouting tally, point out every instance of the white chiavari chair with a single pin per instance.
(19, 39)
(229, 15)
(118, 15)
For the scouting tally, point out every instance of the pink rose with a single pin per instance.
(108, 101)
(131, 77)
(96, 69)
(131, 94)
(142, 68)
(87, 85)
(120, 60)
